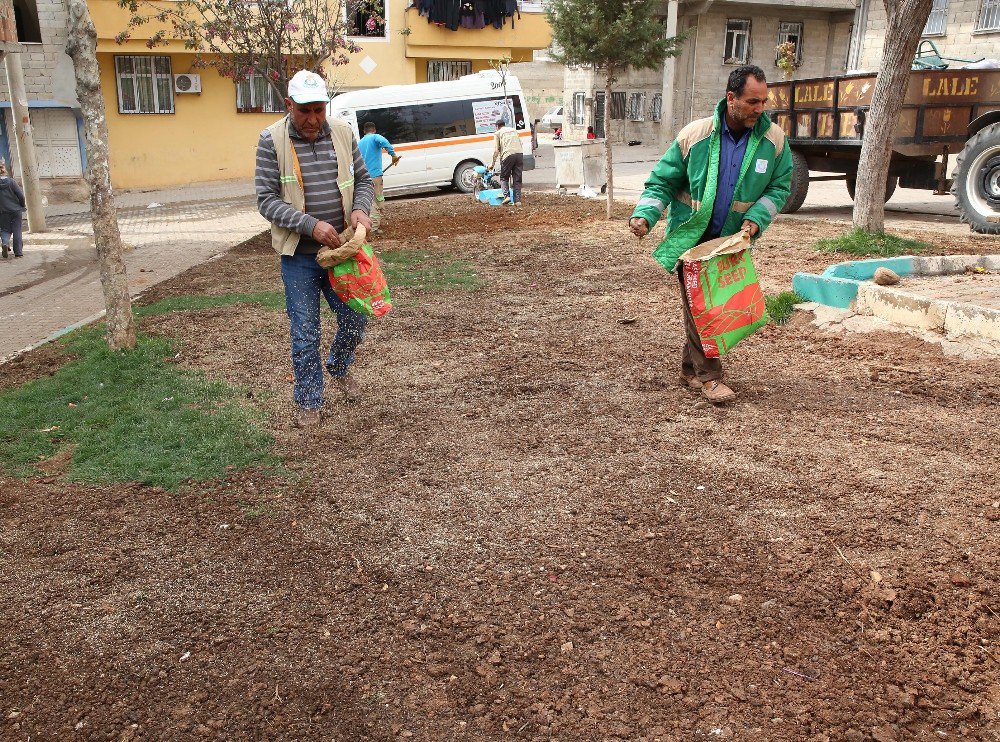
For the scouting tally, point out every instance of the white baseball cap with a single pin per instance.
(308, 87)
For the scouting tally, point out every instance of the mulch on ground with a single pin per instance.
(529, 530)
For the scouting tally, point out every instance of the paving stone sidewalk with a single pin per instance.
(57, 283)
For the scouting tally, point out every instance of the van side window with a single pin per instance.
(424, 121)
(395, 124)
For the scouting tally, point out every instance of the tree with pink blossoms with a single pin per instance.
(240, 38)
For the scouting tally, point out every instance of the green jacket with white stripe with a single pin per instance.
(686, 178)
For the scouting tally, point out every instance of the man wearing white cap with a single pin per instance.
(312, 183)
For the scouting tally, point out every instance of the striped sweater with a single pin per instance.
(318, 162)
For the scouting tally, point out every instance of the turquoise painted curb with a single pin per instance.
(838, 284)
(828, 290)
(864, 270)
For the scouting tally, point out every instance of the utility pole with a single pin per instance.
(25, 142)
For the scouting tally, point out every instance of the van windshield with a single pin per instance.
(441, 120)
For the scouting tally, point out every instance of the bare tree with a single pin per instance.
(82, 47)
(905, 22)
(273, 38)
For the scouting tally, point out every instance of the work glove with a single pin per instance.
(395, 159)
(351, 241)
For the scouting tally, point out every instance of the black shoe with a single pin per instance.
(5, 251)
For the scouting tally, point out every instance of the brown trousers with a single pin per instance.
(378, 203)
(693, 360)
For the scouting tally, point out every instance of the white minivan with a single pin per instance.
(441, 130)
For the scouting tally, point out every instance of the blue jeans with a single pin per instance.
(305, 280)
(12, 225)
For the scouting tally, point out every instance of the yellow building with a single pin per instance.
(161, 134)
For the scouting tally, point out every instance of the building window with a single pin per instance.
(578, 109)
(989, 16)
(656, 107)
(254, 95)
(145, 84)
(737, 49)
(636, 106)
(365, 18)
(791, 32)
(937, 20)
(443, 71)
(617, 106)
(26, 22)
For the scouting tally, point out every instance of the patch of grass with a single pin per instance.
(418, 270)
(876, 244)
(779, 306)
(130, 416)
(252, 510)
(266, 299)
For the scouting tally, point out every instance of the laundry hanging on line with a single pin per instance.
(455, 14)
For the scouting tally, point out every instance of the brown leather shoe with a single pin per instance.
(307, 418)
(716, 392)
(690, 382)
(350, 387)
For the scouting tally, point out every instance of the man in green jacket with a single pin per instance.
(723, 174)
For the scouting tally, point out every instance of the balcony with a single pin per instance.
(427, 40)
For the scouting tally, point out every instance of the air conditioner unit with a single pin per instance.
(187, 83)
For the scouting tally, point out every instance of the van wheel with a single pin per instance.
(465, 176)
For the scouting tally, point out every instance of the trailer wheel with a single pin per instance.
(800, 183)
(890, 185)
(977, 181)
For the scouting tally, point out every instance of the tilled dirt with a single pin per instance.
(529, 530)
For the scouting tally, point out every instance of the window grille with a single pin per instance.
(254, 95)
(989, 16)
(365, 18)
(737, 50)
(145, 84)
(937, 20)
(578, 112)
(791, 32)
(656, 107)
(636, 106)
(617, 106)
(444, 71)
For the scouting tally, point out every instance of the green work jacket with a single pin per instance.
(686, 178)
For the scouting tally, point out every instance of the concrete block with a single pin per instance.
(927, 266)
(990, 262)
(900, 307)
(970, 320)
(958, 263)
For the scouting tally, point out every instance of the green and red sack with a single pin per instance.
(726, 300)
(360, 283)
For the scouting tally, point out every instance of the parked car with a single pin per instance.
(554, 118)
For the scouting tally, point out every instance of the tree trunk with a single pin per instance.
(608, 158)
(905, 23)
(82, 47)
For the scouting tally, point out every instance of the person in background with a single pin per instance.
(372, 145)
(590, 133)
(11, 214)
(312, 184)
(508, 151)
(743, 193)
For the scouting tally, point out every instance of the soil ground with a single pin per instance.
(529, 530)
